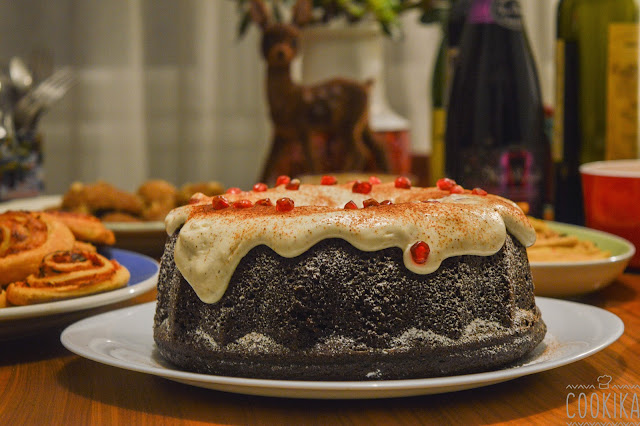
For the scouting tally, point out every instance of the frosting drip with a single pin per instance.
(212, 242)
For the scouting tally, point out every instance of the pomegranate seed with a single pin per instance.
(242, 204)
(328, 180)
(219, 202)
(374, 180)
(478, 191)
(386, 203)
(351, 206)
(370, 203)
(264, 202)
(445, 184)
(403, 182)
(283, 180)
(284, 205)
(457, 189)
(294, 185)
(420, 252)
(234, 190)
(260, 187)
(361, 187)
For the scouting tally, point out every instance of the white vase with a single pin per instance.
(356, 52)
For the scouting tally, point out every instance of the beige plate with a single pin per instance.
(566, 279)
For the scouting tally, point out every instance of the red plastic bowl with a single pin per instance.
(612, 199)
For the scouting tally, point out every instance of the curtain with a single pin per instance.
(165, 89)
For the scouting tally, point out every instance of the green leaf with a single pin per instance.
(245, 21)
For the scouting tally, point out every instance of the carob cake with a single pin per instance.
(361, 281)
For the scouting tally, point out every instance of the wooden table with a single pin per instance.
(42, 383)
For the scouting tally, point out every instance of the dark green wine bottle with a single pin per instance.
(596, 93)
(452, 16)
(439, 83)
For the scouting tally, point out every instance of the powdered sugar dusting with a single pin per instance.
(256, 343)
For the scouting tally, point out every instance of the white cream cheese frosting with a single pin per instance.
(211, 242)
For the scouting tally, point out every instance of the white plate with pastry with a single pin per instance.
(17, 321)
(124, 339)
(142, 237)
(579, 261)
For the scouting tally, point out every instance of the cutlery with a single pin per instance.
(29, 108)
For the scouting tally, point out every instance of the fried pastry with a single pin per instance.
(3, 298)
(159, 198)
(25, 238)
(68, 274)
(99, 198)
(86, 227)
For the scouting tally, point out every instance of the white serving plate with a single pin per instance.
(124, 339)
(141, 237)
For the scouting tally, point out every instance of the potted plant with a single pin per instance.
(385, 13)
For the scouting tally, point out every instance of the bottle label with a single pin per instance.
(438, 125)
(622, 92)
(513, 172)
(506, 13)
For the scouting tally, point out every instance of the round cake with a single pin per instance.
(361, 281)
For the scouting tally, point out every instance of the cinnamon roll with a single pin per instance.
(67, 274)
(25, 238)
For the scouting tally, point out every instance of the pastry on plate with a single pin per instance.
(67, 274)
(159, 198)
(99, 198)
(86, 227)
(25, 238)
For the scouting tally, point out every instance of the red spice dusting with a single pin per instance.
(478, 191)
(370, 203)
(195, 199)
(445, 183)
(361, 187)
(403, 182)
(234, 190)
(294, 185)
(260, 187)
(351, 206)
(457, 189)
(284, 205)
(328, 180)
(420, 252)
(219, 202)
(242, 204)
(283, 180)
(386, 203)
(374, 180)
(264, 202)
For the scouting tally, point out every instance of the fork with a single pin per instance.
(29, 108)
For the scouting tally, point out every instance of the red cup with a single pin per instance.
(612, 199)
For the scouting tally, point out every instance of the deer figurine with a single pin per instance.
(338, 108)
